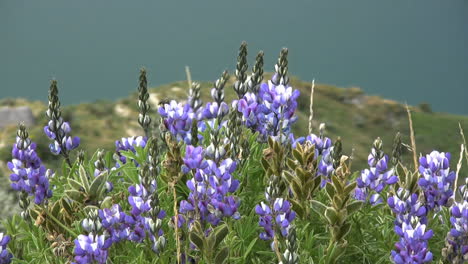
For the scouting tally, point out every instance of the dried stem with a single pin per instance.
(413, 141)
(189, 76)
(459, 164)
(311, 109)
(464, 142)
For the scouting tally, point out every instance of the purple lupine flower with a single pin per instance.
(193, 159)
(277, 216)
(212, 110)
(140, 199)
(129, 144)
(413, 246)
(374, 179)
(5, 255)
(113, 220)
(458, 236)
(29, 174)
(275, 106)
(178, 118)
(248, 106)
(407, 207)
(91, 248)
(325, 167)
(437, 180)
(209, 190)
(67, 141)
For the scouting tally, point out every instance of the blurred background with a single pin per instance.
(410, 51)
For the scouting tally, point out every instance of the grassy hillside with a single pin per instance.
(357, 118)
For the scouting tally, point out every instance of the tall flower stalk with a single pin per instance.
(29, 175)
(57, 129)
(143, 106)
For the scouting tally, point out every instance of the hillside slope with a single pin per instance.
(357, 118)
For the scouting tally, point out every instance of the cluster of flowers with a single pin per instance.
(458, 236)
(5, 255)
(375, 178)
(209, 188)
(67, 141)
(410, 225)
(29, 174)
(277, 216)
(436, 184)
(143, 205)
(93, 247)
(120, 226)
(437, 180)
(178, 118)
(271, 112)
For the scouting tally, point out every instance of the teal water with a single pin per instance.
(408, 50)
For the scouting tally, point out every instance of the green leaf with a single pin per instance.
(84, 178)
(249, 248)
(220, 233)
(74, 195)
(222, 255)
(106, 202)
(318, 207)
(332, 215)
(354, 206)
(330, 190)
(97, 185)
(197, 240)
(75, 184)
(337, 184)
(349, 188)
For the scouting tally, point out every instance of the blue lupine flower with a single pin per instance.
(412, 247)
(275, 106)
(374, 179)
(178, 119)
(140, 201)
(113, 220)
(67, 141)
(325, 166)
(408, 208)
(5, 255)
(129, 144)
(248, 106)
(91, 248)
(209, 189)
(280, 216)
(29, 174)
(459, 232)
(193, 159)
(437, 180)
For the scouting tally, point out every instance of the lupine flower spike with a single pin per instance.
(143, 106)
(437, 180)
(57, 129)
(29, 175)
(377, 177)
